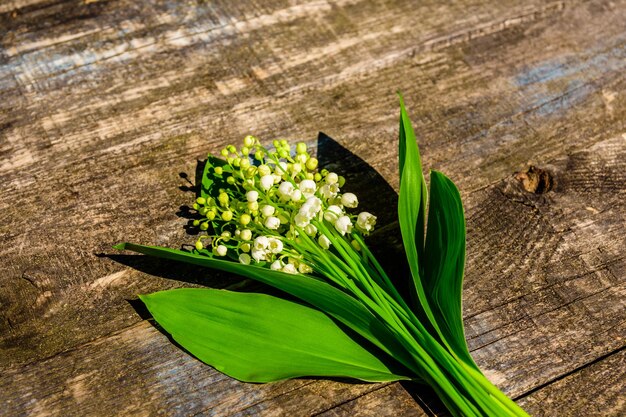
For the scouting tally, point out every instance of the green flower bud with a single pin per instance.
(245, 150)
(341, 181)
(302, 158)
(236, 162)
(227, 215)
(231, 149)
(284, 143)
(195, 206)
(223, 198)
(317, 177)
(201, 201)
(301, 148)
(249, 141)
(264, 170)
(246, 234)
(199, 245)
(196, 223)
(245, 247)
(276, 144)
(224, 152)
(324, 172)
(244, 219)
(219, 170)
(231, 180)
(310, 176)
(253, 205)
(311, 164)
(226, 235)
(250, 172)
(210, 214)
(203, 211)
(259, 155)
(204, 226)
(356, 245)
(245, 163)
(283, 153)
(296, 168)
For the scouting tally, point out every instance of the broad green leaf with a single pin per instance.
(319, 294)
(262, 338)
(210, 184)
(444, 262)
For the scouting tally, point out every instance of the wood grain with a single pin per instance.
(104, 102)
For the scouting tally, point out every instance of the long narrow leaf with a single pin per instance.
(411, 206)
(444, 261)
(262, 338)
(321, 295)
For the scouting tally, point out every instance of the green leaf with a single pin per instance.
(262, 338)
(411, 205)
(444, 262)
(211, 182)
(444, 319)
(319, 294)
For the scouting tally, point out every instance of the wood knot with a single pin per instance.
(535, 180)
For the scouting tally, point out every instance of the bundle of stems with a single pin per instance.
(277, 219)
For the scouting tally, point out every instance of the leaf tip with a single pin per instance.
(401, 98)
(120, 246)
(145, 298)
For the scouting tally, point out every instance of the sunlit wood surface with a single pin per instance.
(104, 103)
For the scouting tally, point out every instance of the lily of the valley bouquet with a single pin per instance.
(274, 216)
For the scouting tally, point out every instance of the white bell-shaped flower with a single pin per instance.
(258, 254)
(272, 222)
(349, 200)
(365, 221)
(310, 230)
(260, 243)
(332, 213)
(267, 210)
(301, 220)
(314, 205)
(324, 241)
(252, 196)
(267, 181)
(296, 195)
(285, 189)
(343, 225)
(275, 245)
(221, 250)
(308, 188)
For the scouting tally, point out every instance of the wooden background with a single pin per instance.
(104, 103)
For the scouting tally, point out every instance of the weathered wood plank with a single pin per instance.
(145, 374)
(100, 107)
(596, 390)
(562, 266)
(389, 399)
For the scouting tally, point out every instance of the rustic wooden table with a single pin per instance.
(105, 102)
